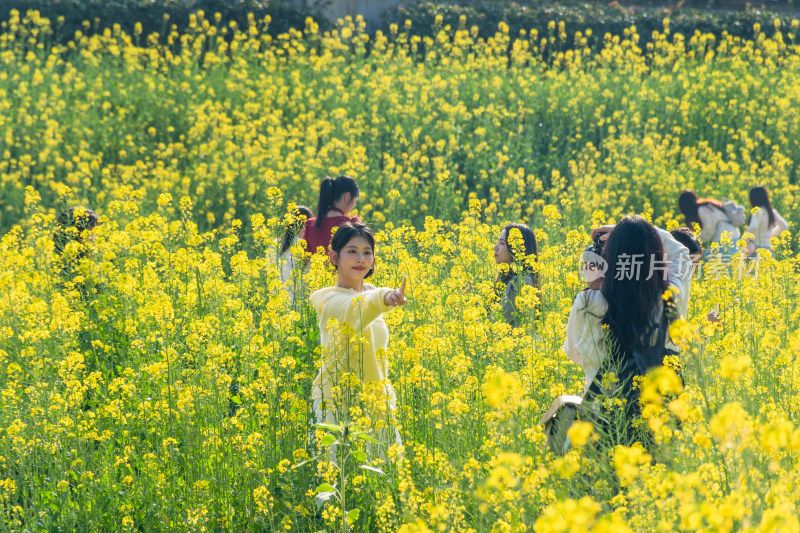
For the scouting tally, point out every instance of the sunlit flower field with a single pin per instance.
(157, 376)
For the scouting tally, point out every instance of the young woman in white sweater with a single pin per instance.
(353, 333)
(764, 223)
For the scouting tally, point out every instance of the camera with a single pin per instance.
(597, 246)
(593, 266)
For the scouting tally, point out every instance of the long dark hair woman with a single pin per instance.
(765, 223)
(709, 215)
(619, 323)
(337, 198)
(516, 253)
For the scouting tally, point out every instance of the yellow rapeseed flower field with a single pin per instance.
(156, 374)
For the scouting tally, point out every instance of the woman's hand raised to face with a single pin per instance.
(396, 297)
(603, 231)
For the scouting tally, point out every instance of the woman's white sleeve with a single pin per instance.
(575, 327)
(584, 343)
(679, 267)
(357, 309)
(286, 266)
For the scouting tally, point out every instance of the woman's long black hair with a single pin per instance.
(330, 190)
(633, 299)
(530, 248)
(688, 204)
(291, 228)
(760, 198)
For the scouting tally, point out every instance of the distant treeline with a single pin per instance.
(159, 16)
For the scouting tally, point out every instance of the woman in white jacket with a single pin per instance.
(619, 315)
(708, 214)
(765, 223)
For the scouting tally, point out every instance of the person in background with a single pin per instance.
(358, 307)
(337, 198)
(73, 226)
(286, 261)
(519, 269)
(709, 215)
(686, 237)
(764, 224)
(617, 323)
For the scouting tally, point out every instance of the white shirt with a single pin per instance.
(715, 222)
(286, 265)
(761, 230)
(584, 343)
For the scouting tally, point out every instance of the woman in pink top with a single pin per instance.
(337, 197)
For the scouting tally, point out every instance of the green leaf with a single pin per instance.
(364, 436)
(236, 400)
(327, 440)
(373, 469)
(352, 515)
(359, 456)
(325, 487)
(329, 427)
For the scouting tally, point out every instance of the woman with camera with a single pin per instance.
(618, 324)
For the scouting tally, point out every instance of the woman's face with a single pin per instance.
(501, 252)
(354, 261)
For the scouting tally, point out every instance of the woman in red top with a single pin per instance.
(337, 197)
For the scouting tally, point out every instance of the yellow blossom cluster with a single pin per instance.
(171, 368)
(223, 114)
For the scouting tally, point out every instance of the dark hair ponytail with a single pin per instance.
(687, 203)
(330, 190)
